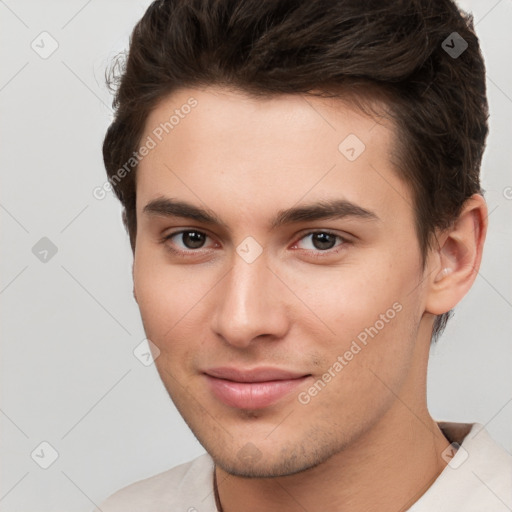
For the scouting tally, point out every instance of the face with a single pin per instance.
(269, 280)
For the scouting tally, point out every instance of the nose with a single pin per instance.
(250, 303)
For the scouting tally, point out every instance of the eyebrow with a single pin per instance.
(322, 210)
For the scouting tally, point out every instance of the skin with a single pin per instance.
(366, 440)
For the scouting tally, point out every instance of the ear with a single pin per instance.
(454, 264)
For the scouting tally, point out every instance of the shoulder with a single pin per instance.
(188, 485)
(478, 475)
(491, 465)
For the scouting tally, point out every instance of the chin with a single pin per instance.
(250, 462)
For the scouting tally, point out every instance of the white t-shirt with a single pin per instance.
(478, 478)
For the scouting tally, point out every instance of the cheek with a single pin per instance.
(367, 315)
(366, 365)
(173, 304)
(160, 296)
(351, 297)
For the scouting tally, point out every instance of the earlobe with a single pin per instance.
(454, 264)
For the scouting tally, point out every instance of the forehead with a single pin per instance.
(218, 146)
(218, 114)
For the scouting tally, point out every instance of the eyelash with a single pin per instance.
(314, 253)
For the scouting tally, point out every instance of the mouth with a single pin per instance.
(253, 389)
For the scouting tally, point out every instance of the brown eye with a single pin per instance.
(321, 241)
(193, 239)
(185, 241)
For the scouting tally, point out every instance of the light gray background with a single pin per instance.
(69, 325)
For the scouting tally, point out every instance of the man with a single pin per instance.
(300, 183)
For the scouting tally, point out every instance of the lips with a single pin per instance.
(252, 388)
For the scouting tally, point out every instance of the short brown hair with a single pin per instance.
(270, 47)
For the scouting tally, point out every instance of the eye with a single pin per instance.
(187, 241)
(322, 242)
